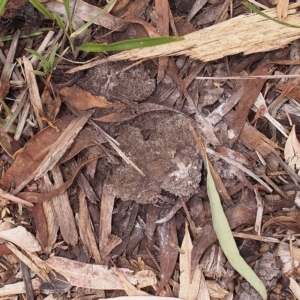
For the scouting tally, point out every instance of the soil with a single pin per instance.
(119, 82)
(137, 213)
(161, 146)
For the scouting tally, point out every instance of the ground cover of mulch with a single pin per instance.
(103, 184)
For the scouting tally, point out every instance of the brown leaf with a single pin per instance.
(40, 224)
(251, 92)
(85, 230)
(292, 150)
(167, 235)
(42, 197)
(83, 100)
(97, 276)
(128, 287)
(6, 142)
(29, 158)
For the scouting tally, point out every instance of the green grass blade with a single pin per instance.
(38, 55)
(256, 10)
(223, 231)
(52, 56)
(6, 108)
(60, 22)
(42, 9)
(2, 6)
(39, 73)
(60, 57)
(129, 44)
(24, 36)
(67, 8)
(226, 240)
(88, 24)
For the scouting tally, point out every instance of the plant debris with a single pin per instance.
(104, 191)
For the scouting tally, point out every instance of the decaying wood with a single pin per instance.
(35, 98)
(18, 288)
(63, 211)
(244, 34)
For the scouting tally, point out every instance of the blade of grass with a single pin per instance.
(67, 8)
(129, 44)
(52, 56)
(24, 36)
(223, 231)
(42, 9)
(6, 108)
(88, 24)
(2, 6)
(256, 10)
(38, 55)
(60, 22)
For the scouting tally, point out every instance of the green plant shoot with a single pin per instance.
(42, 9)
(47, 65)
(88, 24)
(223, 231)
(129, 44)
(256, 10)
(2, 6)
(69, 15)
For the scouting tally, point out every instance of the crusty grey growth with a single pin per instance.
(163, 148)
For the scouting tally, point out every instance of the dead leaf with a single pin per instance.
(185, 263)
(251, 92)
(6, 142)
(292, 150)
(128, 287)
(28, 158)
(85, 229)
(107, 205)
(83, 100)
(40, 223)
(21, 237)
(215, 290)
(167, 234)
(97, 276)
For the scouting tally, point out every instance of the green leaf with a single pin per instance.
(256, 10)
(129, 44)
(2, 6)
(226, 240)
(67, 8)
(52, 56)
(223, 231)
(6, 108)
(42, 9)
(60, 22)
(39, 73)
(88, 24)
(38, 55)
(61, 56)
(24, 36)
